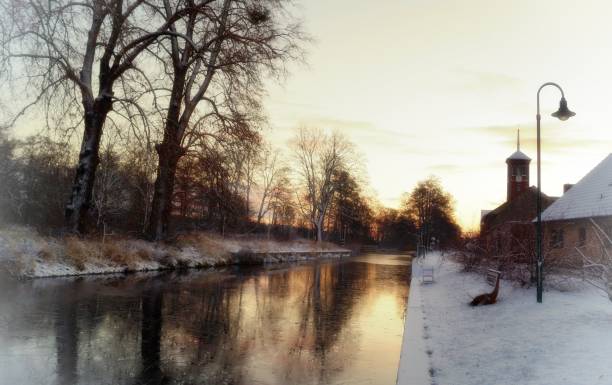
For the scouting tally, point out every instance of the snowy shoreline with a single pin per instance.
(564, 340)
(414, 363)
(25, 254)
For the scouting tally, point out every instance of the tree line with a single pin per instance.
(178, 73)
(163, 100)
(252, 189)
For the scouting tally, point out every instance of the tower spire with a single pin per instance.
(518, 139)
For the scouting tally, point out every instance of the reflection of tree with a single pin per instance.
(204, 330)
(287, 325)
(151, 334)
(67, 340)
(326, 305)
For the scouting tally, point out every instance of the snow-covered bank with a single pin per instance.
(24, 253)
(565, 340)
(414, 363)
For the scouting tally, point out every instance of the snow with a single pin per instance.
(24, 253)
(414, 363)
(590, 197)
(519, 155)
(564, 340)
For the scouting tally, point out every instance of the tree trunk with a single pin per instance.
(170, 152)
(161, 209)
(319, 226)
(77, 208)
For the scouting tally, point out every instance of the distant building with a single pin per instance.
(509, 227)
(571, 221)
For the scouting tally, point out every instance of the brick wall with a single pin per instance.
(561, 238)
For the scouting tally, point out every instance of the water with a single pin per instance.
(329, 322)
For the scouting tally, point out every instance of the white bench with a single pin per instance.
(427, 274)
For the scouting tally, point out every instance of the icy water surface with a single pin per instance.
(329, 322)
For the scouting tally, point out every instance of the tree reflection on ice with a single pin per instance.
(314, 323)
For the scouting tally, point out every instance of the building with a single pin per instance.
(508, 229)
(581, 216)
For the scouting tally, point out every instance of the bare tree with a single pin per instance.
(109, 194)
(10, 204)
(72, 55)
(281, 203)
(320, 157)
(271, 173)
(217, 81)
(597, 269)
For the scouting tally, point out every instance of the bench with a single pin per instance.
(492, 276)
(427, 275)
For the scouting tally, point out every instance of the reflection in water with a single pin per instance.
(150, 336)
(318, 323)
(66, 341)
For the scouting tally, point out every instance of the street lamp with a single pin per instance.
(563, 113)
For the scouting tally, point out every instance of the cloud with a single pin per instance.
(505, 135)
(446, 168)
(482, 80)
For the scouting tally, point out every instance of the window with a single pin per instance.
(556, 239)
(582, 236)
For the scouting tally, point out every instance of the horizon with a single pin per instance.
(445, 98)
(448, 57)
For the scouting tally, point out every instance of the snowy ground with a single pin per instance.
(565, 340)
(26, 254)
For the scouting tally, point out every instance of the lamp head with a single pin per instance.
(563, 113)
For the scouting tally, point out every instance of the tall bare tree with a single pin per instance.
(320, 158)
(271, 173)
(217, 74)
(80, 59)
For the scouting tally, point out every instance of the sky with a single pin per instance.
(433, 87)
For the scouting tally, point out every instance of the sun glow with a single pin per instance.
(440, 88)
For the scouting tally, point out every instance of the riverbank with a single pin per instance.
(564, 340)
(23, 253)
(414, 363)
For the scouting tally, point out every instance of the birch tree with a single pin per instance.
(320, 158)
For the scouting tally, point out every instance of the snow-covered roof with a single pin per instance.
(590, 197)
(519, 155)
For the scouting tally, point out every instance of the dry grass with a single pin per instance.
(217, 246)
(77, 252)
(127, 253)
(26, 253)
(207, 244)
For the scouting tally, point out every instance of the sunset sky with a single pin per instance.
(438, 87)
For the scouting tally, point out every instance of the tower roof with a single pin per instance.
(518, 154)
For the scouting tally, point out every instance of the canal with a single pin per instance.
(322, 322)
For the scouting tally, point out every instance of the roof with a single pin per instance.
(520, 209)
(590, 197)
(519, 155)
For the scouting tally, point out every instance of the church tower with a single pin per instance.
(518, 171)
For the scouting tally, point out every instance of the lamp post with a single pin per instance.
(563, 113)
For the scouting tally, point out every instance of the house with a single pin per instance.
(508, 229)
(573, 220)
